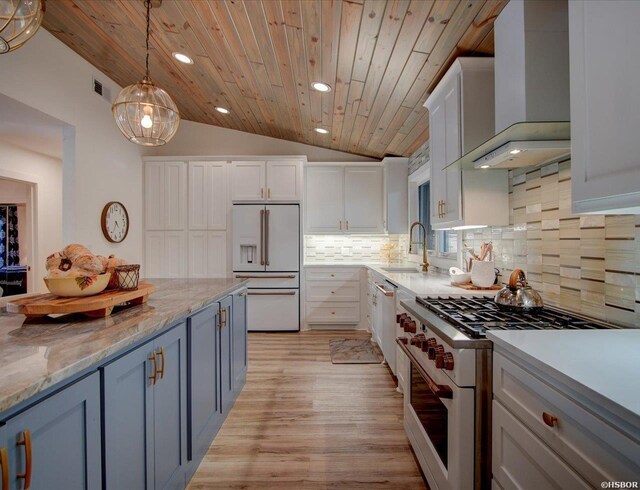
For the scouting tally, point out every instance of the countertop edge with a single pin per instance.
(618, 414)
(156, 325)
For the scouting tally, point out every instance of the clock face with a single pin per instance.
(115, 222)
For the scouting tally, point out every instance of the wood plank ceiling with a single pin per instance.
(259, 57)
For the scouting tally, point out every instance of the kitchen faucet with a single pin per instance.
(425, 262)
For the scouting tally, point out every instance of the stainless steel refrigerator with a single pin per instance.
(266, 250)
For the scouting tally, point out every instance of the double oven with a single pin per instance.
(446, 403)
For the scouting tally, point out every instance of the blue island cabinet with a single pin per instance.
(56, 442)
(239, 342)
(145, 415)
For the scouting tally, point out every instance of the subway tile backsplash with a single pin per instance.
(585, 263)
(353, 248)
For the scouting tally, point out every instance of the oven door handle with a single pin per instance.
(383, 290)
(441, 391)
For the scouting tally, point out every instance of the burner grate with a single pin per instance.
(474, 316)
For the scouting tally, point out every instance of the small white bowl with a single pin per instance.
(458, 276)
(77, 286)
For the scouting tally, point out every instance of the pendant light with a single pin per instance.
(19, 21)
(144, 112)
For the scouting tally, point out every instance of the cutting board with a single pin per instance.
(471, 287)
(97, 306)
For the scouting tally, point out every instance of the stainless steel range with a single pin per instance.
(448, 381)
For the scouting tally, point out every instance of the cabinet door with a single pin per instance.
(128, 420)
(204, 401)
(154, 185)
(226, 354)
(216, 189)
(198, 254)
(175, 196)
(284, 181)
(248, 181)
(604, 72)
(451, 207)
(522, 461)
(175, 254)
(154, 254)
(65, 443)
(239, 341)
(438, 156)
(198, 195)
(217, 254)
(363, 199)
(170, 409)
(324, 199)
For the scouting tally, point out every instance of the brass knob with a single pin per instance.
(549, 419)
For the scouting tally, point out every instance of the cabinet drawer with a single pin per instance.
(335, 274)
(339, 313)
(522, 461)
(597, 450)
(341, 291)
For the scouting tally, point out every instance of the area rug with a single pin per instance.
(354, 351)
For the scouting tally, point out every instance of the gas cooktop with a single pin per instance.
(474, 316)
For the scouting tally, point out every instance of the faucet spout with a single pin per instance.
(425, 262)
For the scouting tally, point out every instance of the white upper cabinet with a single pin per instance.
(324, 199)
(274, 181)
(604, 73)
(363, 207)
(207, 195)
(165, 195)
(284, 180)
(461, 117)
(207, 254)
(248, 181)
(344, 199)
(396, 195)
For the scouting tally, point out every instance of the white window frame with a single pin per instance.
(436, 257)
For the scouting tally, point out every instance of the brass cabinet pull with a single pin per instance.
(4, 460)
(340, 224)
(261, 192)
(347, 224)
(269, 193)
(549, 419)
(28, 461)
(154, 376)
(444, 213)
(160, 371)
(223, 317)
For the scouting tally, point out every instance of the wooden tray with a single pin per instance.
(471, 287)
(97, 306)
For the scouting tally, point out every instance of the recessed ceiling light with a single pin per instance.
(222, 110)
(321, 130)
(515, 151)
(321, 87)
(183, 58)
(484, 166)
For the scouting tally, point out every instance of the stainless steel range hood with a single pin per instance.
(531, 88)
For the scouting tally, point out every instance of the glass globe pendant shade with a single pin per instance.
(145, 114)
(19, 21)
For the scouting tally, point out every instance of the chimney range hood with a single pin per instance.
(531, 88)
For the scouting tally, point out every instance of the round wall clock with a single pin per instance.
(115, 222)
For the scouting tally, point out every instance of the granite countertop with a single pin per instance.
(427, 284)
(601, 365)
(36, 354)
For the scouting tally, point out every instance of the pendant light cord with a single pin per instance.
(148, 5)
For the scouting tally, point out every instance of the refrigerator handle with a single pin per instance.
(266, 237)
(262, 237)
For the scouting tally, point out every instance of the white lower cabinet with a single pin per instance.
(165, 254)
(207, 255)
(544, 438)
(522, 461)
(332, 296)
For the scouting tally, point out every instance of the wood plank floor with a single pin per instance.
(304, 423)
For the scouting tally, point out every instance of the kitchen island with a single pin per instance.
(149, 386)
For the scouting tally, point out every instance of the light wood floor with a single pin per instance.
(304, 423)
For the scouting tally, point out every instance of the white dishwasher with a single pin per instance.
(385, 321)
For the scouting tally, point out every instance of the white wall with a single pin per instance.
(197, 139)
(11, 191)
(100, 165)
(46, 173)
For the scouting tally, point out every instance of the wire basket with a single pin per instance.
(128, 276)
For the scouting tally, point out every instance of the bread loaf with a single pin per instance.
(88, 263)
(75, 250)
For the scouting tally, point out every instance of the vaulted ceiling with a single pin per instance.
(259, 57)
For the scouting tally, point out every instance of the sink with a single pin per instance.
(400, 268)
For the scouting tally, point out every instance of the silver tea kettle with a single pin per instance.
(518, 295)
